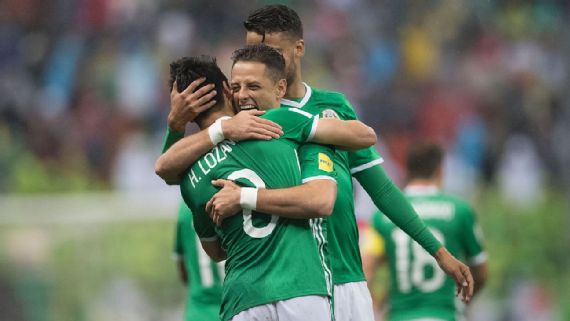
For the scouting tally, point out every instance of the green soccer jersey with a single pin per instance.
(268, 258)
(418, 287)
(342, 228)
(204, 275)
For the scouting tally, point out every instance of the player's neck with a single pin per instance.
(424, 182)
(296, 89)
(211, 118)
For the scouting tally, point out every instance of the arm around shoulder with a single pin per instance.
(346, 134)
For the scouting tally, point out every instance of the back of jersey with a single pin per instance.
(418, 287)
(269, 258)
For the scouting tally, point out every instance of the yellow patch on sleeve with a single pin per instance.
(325, 163)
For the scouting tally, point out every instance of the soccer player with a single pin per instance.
(419, 289)
(260, 248)
(198, 272)
(280, 27)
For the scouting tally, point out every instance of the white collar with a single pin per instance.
(292, 103)
(419, 190)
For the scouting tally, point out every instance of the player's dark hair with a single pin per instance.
(274, 18)
(187, 69)
(262, 53)
(423, 160)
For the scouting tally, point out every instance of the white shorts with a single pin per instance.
(311, 307)
(352, 302)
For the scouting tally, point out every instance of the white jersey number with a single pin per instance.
(410, 268)
(256, 232)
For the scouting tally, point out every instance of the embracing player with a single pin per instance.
(260, 281)
(280, 27)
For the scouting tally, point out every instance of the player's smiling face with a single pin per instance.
(292, 50)
(253, 87)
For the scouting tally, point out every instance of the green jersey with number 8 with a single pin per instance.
(268, 258)
(418, 287)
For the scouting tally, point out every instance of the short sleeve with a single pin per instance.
(297, 125)
(184, 219)
(316, 162)
(472, 237)
(362, 159)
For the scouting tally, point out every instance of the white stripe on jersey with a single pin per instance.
(314, 178)
(366, 166)
(316, 226)
(313, 128)
(298, 111)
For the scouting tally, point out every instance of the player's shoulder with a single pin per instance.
(334, 98)
(462, 206)
(325, 93)
(332, 104)
(285, 112)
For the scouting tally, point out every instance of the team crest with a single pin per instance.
(329, 113)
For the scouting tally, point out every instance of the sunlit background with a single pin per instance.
(86, 228)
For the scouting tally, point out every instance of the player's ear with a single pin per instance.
(281, 88)
(300, 48)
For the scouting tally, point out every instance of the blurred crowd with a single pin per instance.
(83, 90)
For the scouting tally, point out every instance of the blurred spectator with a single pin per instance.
(81, 79)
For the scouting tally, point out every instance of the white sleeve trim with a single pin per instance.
(477, 259)
(298, 111)
(313, 128)
(177, 257)
(314, 178)
(366, 166)
(209, 239)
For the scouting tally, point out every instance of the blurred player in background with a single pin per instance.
(419, 289)
(198, 272)
(280, 27)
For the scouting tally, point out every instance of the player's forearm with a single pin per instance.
(171, 165)
(358, 135)
(171, 137)
(314, 199)
(348, 135)
(390, 200)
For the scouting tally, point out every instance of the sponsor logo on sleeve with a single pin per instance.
(325, 163)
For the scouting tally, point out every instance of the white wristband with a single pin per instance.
(248, 198)
(216, 133)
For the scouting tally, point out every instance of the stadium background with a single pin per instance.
(86, 227)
